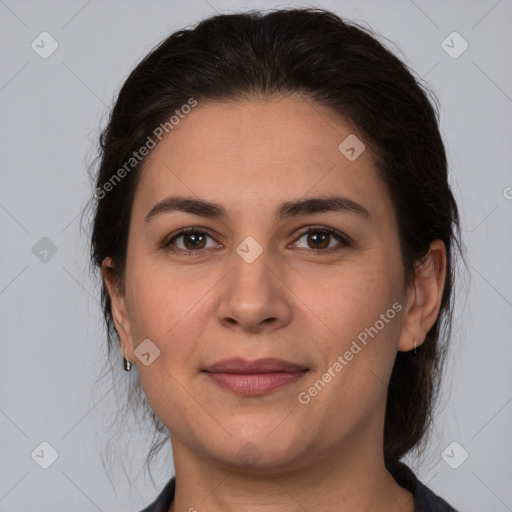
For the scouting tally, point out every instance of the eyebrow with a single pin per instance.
(287, 209)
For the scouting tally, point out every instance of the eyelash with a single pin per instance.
(343, 239)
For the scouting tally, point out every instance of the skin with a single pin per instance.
(293, 302)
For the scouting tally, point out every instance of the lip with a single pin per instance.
(258, 377)
(266, 365)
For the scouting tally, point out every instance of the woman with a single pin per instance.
(276, 237)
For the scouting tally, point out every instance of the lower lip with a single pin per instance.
(251, 384)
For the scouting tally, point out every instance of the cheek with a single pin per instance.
(346, 299)
(360, 308)
(167, 310)
(352, 383)
(160, 300)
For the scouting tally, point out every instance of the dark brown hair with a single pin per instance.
(339, 65)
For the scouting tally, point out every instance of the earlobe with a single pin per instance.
(424, 297)
(118, 307)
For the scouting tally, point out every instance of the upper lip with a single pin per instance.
(244, 366)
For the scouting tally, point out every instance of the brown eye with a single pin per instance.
(321, 238)
(188, 241)
(318, 240)
(194, 240)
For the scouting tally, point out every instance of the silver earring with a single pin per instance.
(127, 364)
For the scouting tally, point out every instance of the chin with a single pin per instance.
(258, 452)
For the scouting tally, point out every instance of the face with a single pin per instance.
(320, 288)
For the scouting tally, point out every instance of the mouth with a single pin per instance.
(251, 378)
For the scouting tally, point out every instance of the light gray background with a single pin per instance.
(51, 329)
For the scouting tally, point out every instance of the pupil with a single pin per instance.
(323, 236)
(193, 237)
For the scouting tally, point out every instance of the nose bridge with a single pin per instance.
(252, 269)
(252, 294)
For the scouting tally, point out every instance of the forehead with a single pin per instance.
(255, 152)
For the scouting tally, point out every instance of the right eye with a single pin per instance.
(193, 240)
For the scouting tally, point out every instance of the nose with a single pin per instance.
(254, 296)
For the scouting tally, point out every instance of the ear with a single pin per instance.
(119, 310)
(424, 297)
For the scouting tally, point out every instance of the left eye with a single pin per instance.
(318, 239)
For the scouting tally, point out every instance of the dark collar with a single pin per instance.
(424, 499)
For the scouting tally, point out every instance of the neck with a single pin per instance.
(360, 483)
